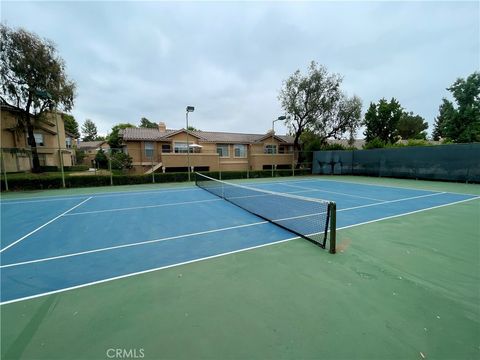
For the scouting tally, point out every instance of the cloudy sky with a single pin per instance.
(228, 59)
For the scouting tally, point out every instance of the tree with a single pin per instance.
(89, 131)
(446, 112)
(101, 159)
(145, 123)
(381, 120)
(113, 138)
(33, 79)
(71, 125)
(315, 102)
(121, 161)
(463, 123)
(412, 126)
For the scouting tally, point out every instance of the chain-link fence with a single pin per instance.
(100, 166)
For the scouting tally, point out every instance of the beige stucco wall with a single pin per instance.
(19, 160)
(207, 156)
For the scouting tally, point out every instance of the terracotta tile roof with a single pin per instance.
(206, 136)
(90, 144)
(143, 134)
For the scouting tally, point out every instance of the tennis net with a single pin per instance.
(312, 219)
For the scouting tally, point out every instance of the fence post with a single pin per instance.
(4, 169)
(110, 169)
(60, 156)
(219, 168)
(293, 163)
(153, 173)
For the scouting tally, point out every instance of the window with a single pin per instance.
(270, 149)
(68, 142)
(38, 139)
(222, 150)
(180, 147)
(166, 148)
(240, 151)
(148, 149)
(42, 158)
(284, 149)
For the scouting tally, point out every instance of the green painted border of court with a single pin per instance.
(418, 184)
(403, 288)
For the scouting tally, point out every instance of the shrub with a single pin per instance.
(375, 143)
(121, 161)
(54, 181)
(76, 168)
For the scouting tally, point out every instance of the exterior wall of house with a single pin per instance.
(258, 158)
(90, 153)
(204, 157)
(16, 156)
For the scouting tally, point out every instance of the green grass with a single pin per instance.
(404, 288)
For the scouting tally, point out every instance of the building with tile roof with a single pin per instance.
(165, 150)
(49, 131)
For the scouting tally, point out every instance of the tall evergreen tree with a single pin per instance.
(446, 113)
(89, 130)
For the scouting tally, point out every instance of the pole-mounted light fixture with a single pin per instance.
(280, 118)
(188, 110)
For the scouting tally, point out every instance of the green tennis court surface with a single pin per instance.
(400, 287)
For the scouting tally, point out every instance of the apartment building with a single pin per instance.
(90, 149)
(166, 150)
(16, 152)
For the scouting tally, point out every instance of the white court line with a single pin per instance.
(42, 226)
(134, 244)
(144, 272)
(404, 214)
(332, 192)
(40, 201)
(194, 234)
(142, 207)
(214, 256)
(380, 185)
(98, 195)
(362, 206)
(168, 204)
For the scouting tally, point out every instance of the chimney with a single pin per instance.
(162, 127)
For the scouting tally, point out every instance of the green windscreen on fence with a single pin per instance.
(455, 162)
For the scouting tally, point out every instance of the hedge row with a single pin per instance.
(65, 168)
(46, 181)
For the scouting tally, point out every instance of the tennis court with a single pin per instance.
(58, 246)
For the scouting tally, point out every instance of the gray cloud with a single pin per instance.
(229, 59)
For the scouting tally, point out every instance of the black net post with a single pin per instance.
(332, 208)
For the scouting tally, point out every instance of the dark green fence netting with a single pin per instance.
(455, 162)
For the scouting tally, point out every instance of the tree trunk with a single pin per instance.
(33, 144)
(296, 148)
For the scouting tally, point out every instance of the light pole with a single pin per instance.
(280, 118)
(188, 110)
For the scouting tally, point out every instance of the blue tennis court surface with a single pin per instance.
(52, 244)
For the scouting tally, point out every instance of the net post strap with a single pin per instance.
(332, 211)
